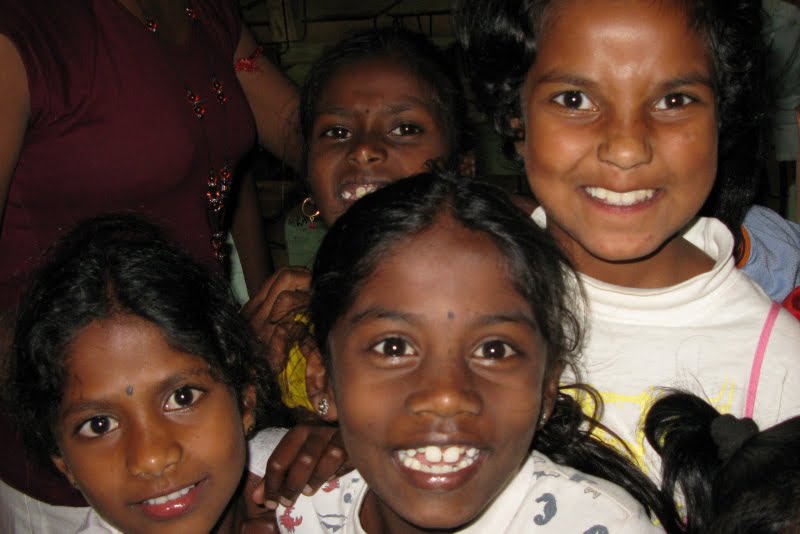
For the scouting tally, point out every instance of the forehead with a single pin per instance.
(379, 78)
(631, 36)
(444, 268)
(112, 354)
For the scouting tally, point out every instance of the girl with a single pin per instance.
(377, 107)
(441, 379)
(133, 373)
(734, 478)
(632, 118)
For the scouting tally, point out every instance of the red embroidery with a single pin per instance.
(330, 486)
(248, 64)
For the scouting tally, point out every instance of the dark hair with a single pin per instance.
(733, 478)
(433, 68)
(500, 41)
(541, 273)
(115, 265)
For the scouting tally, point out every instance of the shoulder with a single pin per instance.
(223, 21)
(556, 491)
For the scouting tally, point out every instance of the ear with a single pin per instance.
(248, 406)
(519, 144)
(320, 392)
(62, 466)
(550, 390)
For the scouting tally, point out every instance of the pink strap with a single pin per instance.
(758, 359)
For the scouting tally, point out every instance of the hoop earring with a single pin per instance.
(309, 211)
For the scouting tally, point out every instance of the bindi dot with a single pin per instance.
(129, 391)
(451, 315)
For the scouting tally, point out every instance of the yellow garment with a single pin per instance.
(292, 379)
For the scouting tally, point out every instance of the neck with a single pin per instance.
(675, 262)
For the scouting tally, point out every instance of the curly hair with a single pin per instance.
(430, 64)
(122, 264)
(500, 41)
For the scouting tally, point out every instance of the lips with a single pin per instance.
(624, 199)
(173, 504)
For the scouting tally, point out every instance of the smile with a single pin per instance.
(628, 198)
(438, 460)
(170, 497)
(354, 193)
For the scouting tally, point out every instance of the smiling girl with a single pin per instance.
(444, 381)
(633, 118)
(134, 374)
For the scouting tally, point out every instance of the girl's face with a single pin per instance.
(376, 123)
(620, 140)
(152, 440)
(439, 380)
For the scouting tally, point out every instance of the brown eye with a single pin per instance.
(674, 101)
(574, 100)
(494, 349)
(97, 426)
(393, 346)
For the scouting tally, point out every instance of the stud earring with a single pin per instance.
(323, 406)
(542, 420)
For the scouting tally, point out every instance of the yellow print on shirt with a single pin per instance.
(621, 403)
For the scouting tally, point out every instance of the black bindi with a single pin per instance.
(451, 315)
(129, 391)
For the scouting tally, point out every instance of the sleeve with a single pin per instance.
(227, 29)
(774, 252)
(260, 448)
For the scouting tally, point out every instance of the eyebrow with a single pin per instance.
(170, 382)
(689, 78)
(408, 104)
(379, 312)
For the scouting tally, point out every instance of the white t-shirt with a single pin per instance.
(700, 335)
(542, 497)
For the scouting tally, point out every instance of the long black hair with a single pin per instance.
(539, 271)
(500, 40)
(122, 264)
(732, 478)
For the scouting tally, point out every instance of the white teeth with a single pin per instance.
(360, 191)
(451, 459)
(172, 496)
(628, 198)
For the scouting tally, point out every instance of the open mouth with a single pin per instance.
(438, 460)
(170, 496)
(613, 198)
(355, 192)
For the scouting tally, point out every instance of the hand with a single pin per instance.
(306, 458)
(271, 311)
(257, 519)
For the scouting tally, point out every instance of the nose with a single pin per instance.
(153, 449)
(366, 150)
(626, 142)
(445, 391)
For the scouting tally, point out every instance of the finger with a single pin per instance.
(302, 471)
(329, 466)
(280, 462)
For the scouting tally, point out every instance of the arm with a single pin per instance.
(247, 229)
(273, 99)
(14, 114)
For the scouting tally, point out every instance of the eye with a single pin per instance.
(393, 346)
(406, 129)
(97, 426)
(337, 132)
(574, 100)
(182, 397)
(494, 349)
(673, 101)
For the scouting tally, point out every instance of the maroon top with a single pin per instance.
(111, 130)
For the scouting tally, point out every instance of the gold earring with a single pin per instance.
(309, 211)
